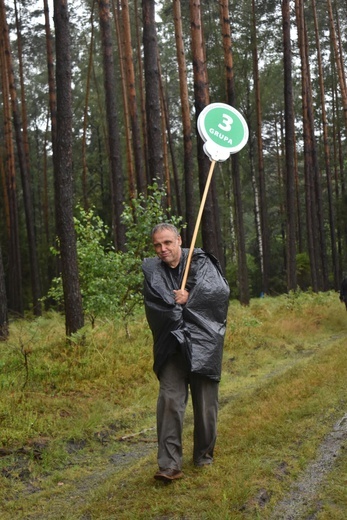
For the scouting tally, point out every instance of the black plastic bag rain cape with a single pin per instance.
(198, 327)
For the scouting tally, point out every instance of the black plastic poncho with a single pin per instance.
(198, 327)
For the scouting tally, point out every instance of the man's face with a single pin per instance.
(167, 246)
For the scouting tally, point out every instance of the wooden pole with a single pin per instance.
(197, 225)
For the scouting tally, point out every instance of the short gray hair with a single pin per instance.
(165, 226)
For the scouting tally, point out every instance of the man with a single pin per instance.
(188, 327)
(343, 291)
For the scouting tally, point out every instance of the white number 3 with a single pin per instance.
(227, 122)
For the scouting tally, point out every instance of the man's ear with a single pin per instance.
(179, 240)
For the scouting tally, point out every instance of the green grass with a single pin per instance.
(64, 408)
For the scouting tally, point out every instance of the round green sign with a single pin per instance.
(223, 129)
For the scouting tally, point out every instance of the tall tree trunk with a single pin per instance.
(236, 182)
(279, 146)
(289, 151)
(15, 296)
(311, 229)
(211, 232)
(3, 303)
(132, 100)
(335, 259)
(127, 126)
(168, 146)
(257, 220)
(318, 216)
(45, 203)
(85, 114)
(51, 75)
(260, 156)
(63, 172)
(116, 171)
(49, 215)
(186, 123)
(3, 175)
(338, 174)
(140, 79)
(153, 116)
(167, 132)
(24, 170)
(338, 61)
(167, 179)
(22, 88)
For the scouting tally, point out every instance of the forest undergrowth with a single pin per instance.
(77, 420)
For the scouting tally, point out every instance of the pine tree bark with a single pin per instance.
(186, 124)
(338, 60)
(130, 168)
(318, 216)
(168, 151)
(23, 158)
(166, 137)
(132, 100)
(51, 75)
(22, 88)
(338, 166)
(3, 303)
(142, 94)
(335, 259)
(85, 113)
(63, 182)
(153, 114)
(260, 157)
(15, 295)
(289, 150)
(210, 229)
(49, 215)
(114, 150)
(313, 239)
(236, 182)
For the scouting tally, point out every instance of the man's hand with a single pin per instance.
(181, 296)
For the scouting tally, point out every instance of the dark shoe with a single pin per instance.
(203, 463)
(167, 475)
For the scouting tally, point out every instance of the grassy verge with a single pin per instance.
(333, 496)
(64, 409)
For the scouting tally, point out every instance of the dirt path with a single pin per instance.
(301, 499)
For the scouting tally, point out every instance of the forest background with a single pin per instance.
(98, 121)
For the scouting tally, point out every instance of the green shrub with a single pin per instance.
(111, 281)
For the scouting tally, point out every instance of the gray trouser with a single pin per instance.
(172, 401)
